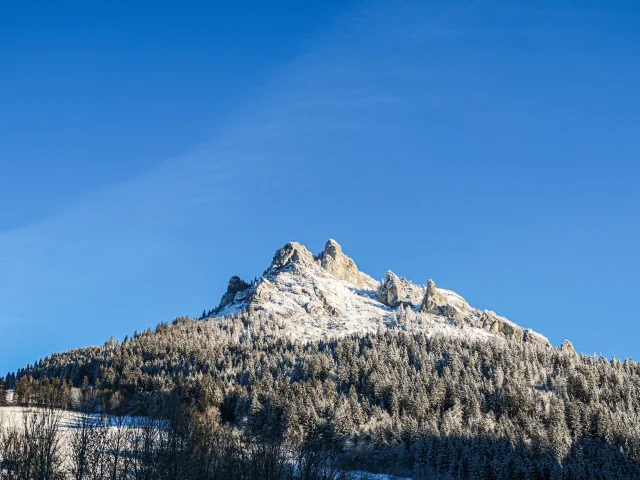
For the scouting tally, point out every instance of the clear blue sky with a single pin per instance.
(148, 153)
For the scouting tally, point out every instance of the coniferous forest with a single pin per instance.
(233, 398)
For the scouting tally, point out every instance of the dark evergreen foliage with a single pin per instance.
(398, 402)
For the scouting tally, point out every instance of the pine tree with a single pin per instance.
(558, 433)
(3, 391)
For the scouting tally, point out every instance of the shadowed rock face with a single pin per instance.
(236, 285)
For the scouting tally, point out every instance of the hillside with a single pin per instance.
(389, 376)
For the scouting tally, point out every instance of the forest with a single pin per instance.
(234, 398)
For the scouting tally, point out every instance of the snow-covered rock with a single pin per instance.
(291, 252)
(567, 346)
(433, 301)
(340, 266)
(395, 291)
(311, 297)
(236, 285)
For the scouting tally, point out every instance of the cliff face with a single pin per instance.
(324, 295)
(342, 267)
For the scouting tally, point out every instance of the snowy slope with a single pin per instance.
(312, 301)
(311, 297)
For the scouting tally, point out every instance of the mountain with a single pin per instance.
(326, 296)
(316, 368)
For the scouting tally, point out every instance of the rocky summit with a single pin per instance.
(325, 295)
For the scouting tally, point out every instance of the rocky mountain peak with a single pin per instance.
(235, 286)
(311, 297)
(291, 252)
(333, 248)
(334, 261)
(433, 301)
(567, 346)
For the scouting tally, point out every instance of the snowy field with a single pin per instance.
(14, 417)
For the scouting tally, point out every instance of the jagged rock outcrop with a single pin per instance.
(390, 292)
(340, 266)
(534, 337)
(497, 325)
(567, 346)
(394, 291)
(291, 252)
(262, 294)
(436, 303)
(326, 295)
(433, 301)
(236, 285)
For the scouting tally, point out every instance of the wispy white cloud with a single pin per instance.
(351, 77)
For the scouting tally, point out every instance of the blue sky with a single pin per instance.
(149, 152)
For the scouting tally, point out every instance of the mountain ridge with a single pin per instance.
(326, 295)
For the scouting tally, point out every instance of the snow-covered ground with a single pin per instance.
(14, 416)
(308, 302)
